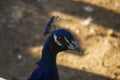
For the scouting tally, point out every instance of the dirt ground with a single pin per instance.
(94, 23)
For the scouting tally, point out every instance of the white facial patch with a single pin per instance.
(66, 40)
(71, 46)
(55, 38)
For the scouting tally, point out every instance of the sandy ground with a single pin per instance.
(94, 23)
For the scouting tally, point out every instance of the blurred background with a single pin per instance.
(94, 23)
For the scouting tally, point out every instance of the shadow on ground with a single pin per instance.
(67, 73)
(21, 27)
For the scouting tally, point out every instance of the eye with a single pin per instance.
(60, 38)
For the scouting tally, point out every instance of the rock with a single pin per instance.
(19, 57)
(88, 8)
(92, 30)
(87, 21)
(77, 31)
(2, 78)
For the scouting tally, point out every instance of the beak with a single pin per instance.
(74, 45)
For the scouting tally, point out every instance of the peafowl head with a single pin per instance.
(60, 39)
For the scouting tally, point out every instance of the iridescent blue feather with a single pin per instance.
(48, 25)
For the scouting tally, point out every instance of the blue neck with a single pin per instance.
(48, 54)
(48, 61)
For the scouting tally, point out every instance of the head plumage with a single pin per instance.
(49, 25)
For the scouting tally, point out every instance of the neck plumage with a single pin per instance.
(48, 61)
(47, 69)
(48, 55)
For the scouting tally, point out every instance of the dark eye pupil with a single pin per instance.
(60, 38)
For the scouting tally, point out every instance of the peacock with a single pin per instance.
(58, 40)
